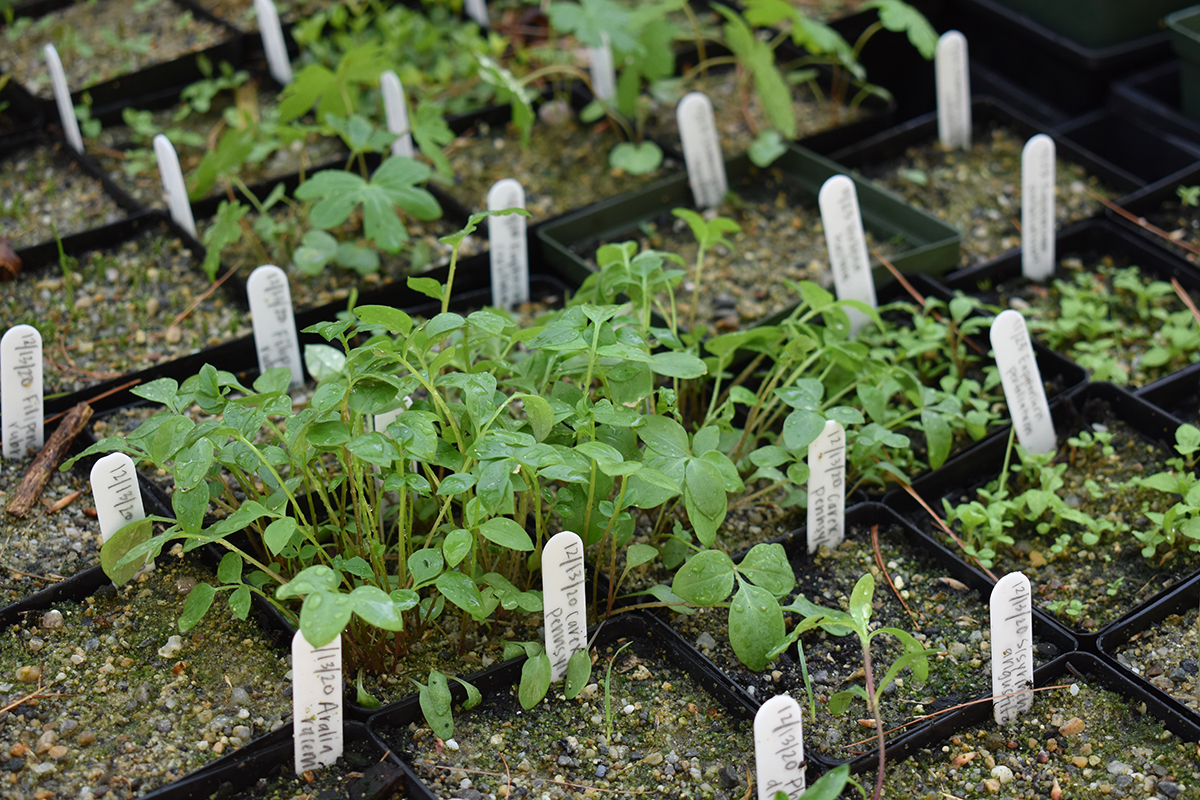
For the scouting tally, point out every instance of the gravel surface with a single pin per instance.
(1166, 655)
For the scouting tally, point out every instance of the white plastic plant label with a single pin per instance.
(564, 600)
(701, 149)
(275, 336)
(827, 488)
(1037, 208)
(395, 108)
(953, 80)
(172, 181)
(21, 390)
(316, 703)
(271, 31)
(779, 748)
(847, 244)
(1012, 648)
(116, 493)
(1022, 382)
(477, 10)
(507, 246)
(62, 98)
(600, 65)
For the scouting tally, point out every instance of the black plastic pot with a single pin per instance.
(1153, 159)
(1178, 394)
(156, 77)
(566, 242)
(649, 638)
(1180, 601)
(1097, 23)
(1052, 639)
(957, 480)
(1155, 97)
(12, 146)
(1063, 72)
(371, 772)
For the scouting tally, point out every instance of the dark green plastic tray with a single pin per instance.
(932, 244)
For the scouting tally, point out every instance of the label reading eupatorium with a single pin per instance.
(779, 748)
(1012, 648)
(395, 108)
(701, 149)
(563, 600)
(272, 38)
(1022, 382)
(953, 90)
(847, 244)
(507, 246)
(316, 703)
(62, 98)
(21, 390)
(600, 64)
(115, 490)
(271, 312)
(172, 181)
(1037, 208)
(827, 488)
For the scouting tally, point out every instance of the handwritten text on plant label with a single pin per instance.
(779, 748)
(563, 600)
(1012, 647)
(316, 702)
(21, 390)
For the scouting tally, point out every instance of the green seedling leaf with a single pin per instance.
(393, 320)
(535, 680)
(457, 545)
(636, 159)
(323, 362)
(310, 579)
(506, 533)
(706, 579)
(639, 554)
(579, 672)
(363, 697)
(377, 608)
(278, 534)
(119, 545)
(199, 600)
(767, 148)
(900, 17)
(435, 700)
(225, 232)
(324, 615)
(767, 566)
(230, 568)
(755, 625)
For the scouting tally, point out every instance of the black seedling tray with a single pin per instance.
(962, 474)
(1180, 600)
(177, 72)
(1063, 72)
(933, 244)
(649, 637)
(1178, 394)
(1047, 631)
(1154, 97)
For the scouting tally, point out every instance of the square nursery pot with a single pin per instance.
(365, 771)
(1155, 97)
(924, 244)
(1097, 23)
(150, 51)
(1185, 40)
(660, 689)
(1159, 647)
(1000, 134)
(1086, 246)
(131, 698)
(1119, 733)
(949, 605)
(1178, 394)
(1065, 73)
(1109, 580)
(48, 191)
(130, 282)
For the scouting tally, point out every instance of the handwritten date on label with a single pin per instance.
(316, 703)
(1012, 648)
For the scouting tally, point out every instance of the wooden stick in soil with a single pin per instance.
(45, 462)
(1141, 223)
(91, 400)
(945, 528)
(1186, 298)
(883, 569)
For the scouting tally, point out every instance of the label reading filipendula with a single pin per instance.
(395, 109)
(827, 488)
(847, 244)
(1012, 648)
(564, 602)
(274, 321)
(701, 149)
(21, 391)
(116, 493)
(1037, 208)
(779, 748)
(953, 90)
(172, 181)
(273, 45)
(507, 246)
(1022, 382)
(316, 703)
(62, 98)
(600, 65)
